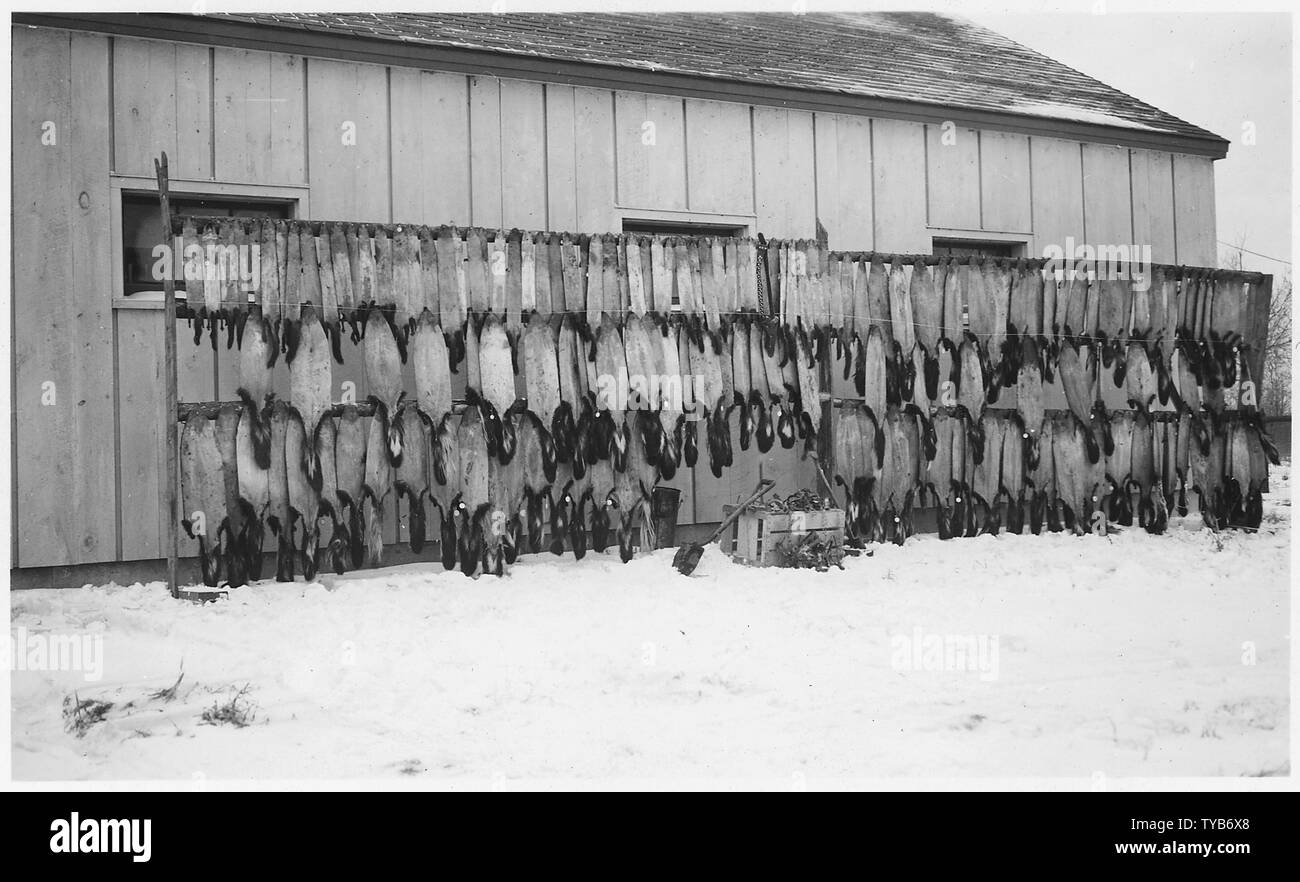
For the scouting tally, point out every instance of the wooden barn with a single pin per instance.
(894, 133)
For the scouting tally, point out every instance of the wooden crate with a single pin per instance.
(760, 532)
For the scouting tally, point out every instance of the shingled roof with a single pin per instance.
(906, 56)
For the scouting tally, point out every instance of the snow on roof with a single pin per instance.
(1077, 114)
(904, 56)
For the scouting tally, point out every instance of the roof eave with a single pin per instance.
(375, 50)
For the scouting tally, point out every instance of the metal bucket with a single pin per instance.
(664, 502)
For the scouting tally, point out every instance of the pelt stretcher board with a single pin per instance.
(596, 365)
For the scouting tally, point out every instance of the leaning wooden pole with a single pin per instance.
(170, 408)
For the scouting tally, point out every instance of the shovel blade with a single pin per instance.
(687, 557)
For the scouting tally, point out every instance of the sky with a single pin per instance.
(1219, 71)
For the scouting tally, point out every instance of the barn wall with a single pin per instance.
(373, 143)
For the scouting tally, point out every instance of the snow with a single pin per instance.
(1077, 114)
(1118, 656)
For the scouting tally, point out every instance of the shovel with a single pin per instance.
(688, 556)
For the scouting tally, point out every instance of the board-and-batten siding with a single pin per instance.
(372, 143)
(64, 492)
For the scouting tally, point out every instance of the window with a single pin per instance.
(142, 228)
(977, 248)
(683, 230)
(944, 247)
(674, 228)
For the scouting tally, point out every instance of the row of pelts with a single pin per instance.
(576, 314)
(591, 391)
(1010, 310)
(641, 393)
(1013, 312)
(253, 481)
(1171, 336)
(976, 478)
(240, 267)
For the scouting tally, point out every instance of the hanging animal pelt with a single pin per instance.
(971, 390)
(1078, 371)
(237, 277)
(672, 397)
(291, 283)
(408, 297)
(1142, 480)
(943, 475)
(534, 472)
(809, 391)
(856, 461)
(203, 494)
(254, 479)
(1051, 321)
(429, 363)
(350, 472)
(384, 377)
(210, 313)
(496, 378)
(542, 385)
(742, 381)
(1013, 486)
(385, 289)
(1044, 508)
(927, 316)
(318, 288)
(257, 356)
(782, 367)
(338, 544)
(603, 503)
(447, 497)
(693, 407)
(645, 366)
(412, 476)
(196, 265)
(766, 383)
(268, 306)
(632, 491)
(611, 366)
(451, 293)
(304, 498)
(339, 242)
(280, 517)
(1024, 317)
(310, 385)
(706, 363)
(575, 407)
(501, 529)
(234, 558)
(986, 320)
(950, 285)
(376, 487)
(1207, 461)
(1114, 305)
(900, 310)
(472, 444)
(1029, 399)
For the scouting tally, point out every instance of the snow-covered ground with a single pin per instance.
(1123, 656)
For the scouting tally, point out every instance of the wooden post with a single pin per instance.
(1258, 335)
(824, 382)
(170, 410)
(825, 447)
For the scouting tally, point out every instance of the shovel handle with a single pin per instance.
(763, 487)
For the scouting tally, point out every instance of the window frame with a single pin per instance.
(296, 198)
(1017, 242)
(685, 223)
